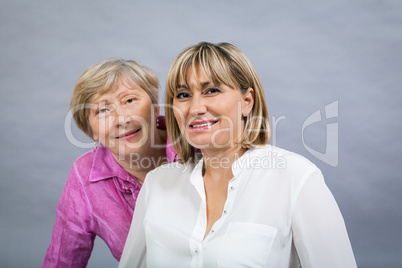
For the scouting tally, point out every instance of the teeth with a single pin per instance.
(203, 125)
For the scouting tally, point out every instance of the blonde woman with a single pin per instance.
(115, 102)
(245, 203)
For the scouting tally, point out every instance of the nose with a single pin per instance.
(198, 106)
(122, 117)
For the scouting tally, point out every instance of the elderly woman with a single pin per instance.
(115, 102)
(245, 203)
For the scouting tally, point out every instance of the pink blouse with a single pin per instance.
(98, 199)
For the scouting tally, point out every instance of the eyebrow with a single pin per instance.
(182, 86)
(100, 99)
(128, 91)
(203, 85)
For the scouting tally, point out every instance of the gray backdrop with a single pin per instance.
(308, 54)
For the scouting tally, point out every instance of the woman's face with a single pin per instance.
(210, 116)
(122, 119)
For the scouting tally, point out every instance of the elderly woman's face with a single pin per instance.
(121, 120)
(209, 115)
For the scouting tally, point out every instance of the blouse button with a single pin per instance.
(225, 212)
(232, 188)
(196, 251)
(212, 230)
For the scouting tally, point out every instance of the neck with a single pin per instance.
(155, 155)
(218, 162)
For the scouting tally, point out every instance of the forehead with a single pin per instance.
(116, 90)
(196, 76)
(207, 69)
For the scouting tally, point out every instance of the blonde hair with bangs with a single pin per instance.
(222, 63)
(105, 77)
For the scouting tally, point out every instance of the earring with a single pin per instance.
(96, 144)
(160, 122)
(244, 114)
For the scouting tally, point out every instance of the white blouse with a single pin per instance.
(278, 213)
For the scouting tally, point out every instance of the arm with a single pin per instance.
(134, 252)
(319, 231)
(71, 242)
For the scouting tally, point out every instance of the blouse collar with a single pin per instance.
(104, 166)
(237, 167)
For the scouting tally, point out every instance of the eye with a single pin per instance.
(182, 95)
(213, 90)
(101, 111)
(130, 100)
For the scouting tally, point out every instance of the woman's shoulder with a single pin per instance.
(170, 173)
(279, 158)
(82, 166)
(272, 164)
(173, 168)
(85, 158)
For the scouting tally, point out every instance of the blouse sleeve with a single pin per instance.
(134, 252)
(72, 241)
(319, 231)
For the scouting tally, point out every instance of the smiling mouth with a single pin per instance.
(128, 134)
(203, 124)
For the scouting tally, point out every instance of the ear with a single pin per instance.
(95, 137)
(248, 101)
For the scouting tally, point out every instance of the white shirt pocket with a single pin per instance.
(246, 245)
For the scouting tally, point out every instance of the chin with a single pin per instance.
(200, 144)
(212, 144)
